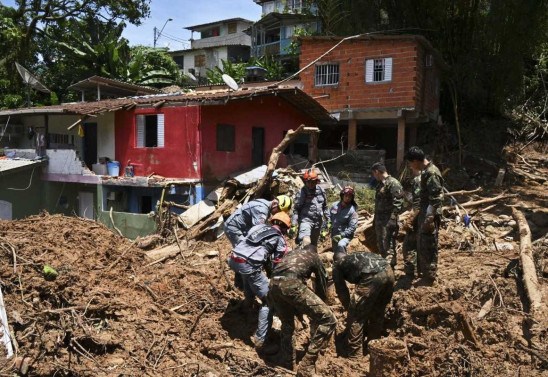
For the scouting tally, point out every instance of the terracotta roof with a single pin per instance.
(217, 96)
(111, 87)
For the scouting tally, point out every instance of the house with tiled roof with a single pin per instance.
(171, 146)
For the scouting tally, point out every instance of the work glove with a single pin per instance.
(292, 232)
(323, 234)
(337, 238)
(428, 225)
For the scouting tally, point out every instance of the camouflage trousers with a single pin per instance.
(386, 240)
(409, 250)
(291, 297)
(427, 249)
(366, 310)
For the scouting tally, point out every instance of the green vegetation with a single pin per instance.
(364, 197)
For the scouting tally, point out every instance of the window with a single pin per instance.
(150, 131)
(378, 70)
(326, 74)
(199, 60)
(232, 27)
(296, 5)
(226, 138)
(213, 32)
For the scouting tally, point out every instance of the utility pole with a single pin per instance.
(157, 33)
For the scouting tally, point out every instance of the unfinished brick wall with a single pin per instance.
(405, 89)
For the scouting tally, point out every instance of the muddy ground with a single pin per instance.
(111, 312)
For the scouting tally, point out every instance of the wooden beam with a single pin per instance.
(400, 142)
(352, 131)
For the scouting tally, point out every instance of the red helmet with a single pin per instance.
(347, 190)
(310, 175)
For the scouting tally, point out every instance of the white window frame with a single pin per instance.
(327, 74)
(378, 70)
(140, 132)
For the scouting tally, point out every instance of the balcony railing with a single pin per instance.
(278, 48)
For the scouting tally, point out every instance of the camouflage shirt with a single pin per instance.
(388, 199)
(353, 268)
(301, 264)
(431, 191)
(416, 192)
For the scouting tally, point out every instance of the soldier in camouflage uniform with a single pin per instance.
(429, 216)
(290, 296)
(411, 227)
(374, 285)
(388, 204)
(311, 213)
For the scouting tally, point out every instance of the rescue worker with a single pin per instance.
(343, 220)
(429, 215)
(410, 226)
(388, 204)
(290, 297)
(253, 213)
(250, 214)
(374, 285)
(263, 244)
(311, 213)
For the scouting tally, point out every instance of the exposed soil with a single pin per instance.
(110, 312)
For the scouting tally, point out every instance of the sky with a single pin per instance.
(183, 13)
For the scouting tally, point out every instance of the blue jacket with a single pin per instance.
(344, 220)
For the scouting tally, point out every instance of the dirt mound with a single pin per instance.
(113, 312)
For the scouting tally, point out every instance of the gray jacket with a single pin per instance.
(250, 214)
(263, 242)
(344, 220)
(310, 206)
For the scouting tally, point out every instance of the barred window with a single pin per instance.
(327, 74)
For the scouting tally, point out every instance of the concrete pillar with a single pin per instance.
(352, 131)
(401, 143)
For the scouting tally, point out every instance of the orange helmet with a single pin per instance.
(310, 175)
(281, 218)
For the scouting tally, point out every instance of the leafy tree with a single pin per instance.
(274, 70)
(24, 32)
(152, 67)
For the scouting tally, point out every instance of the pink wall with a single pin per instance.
(272, 113)
(181, 148)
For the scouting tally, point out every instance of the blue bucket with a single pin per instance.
(113, 168)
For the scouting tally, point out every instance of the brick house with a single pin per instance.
(374, 83)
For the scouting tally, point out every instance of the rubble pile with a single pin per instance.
(527, 163)
(83, 301)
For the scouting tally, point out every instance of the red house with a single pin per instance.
(205, 136)
(381, 87)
